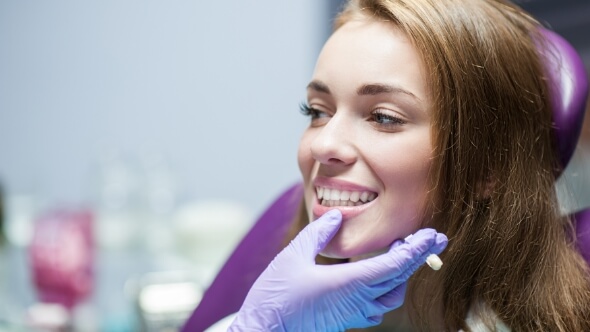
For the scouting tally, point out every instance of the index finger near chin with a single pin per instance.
(400, 262)
(387, 266)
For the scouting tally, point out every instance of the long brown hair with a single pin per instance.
(493, 171)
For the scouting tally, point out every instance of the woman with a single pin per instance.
(429, 113)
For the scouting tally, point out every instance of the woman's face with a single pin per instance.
(368, 150)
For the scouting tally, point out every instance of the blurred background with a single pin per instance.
(148, 136)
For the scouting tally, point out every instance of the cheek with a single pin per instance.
(306, 164)
(304, 157)
(406, 168)
(406, 183)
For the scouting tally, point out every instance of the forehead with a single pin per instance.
(366, 51)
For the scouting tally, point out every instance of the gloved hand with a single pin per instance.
(295, 294)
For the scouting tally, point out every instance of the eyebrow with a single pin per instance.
(377, 88)
(364, 90)
(319, 87)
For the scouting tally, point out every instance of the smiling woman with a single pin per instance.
(369, 137)
(431, 119)
(437, 114)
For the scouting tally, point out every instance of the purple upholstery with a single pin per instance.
(582, 222)
(262, 243)
(569, 88)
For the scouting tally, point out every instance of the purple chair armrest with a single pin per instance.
(252, 255)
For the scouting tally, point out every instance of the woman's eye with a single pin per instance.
(315, 114)
(388, 120)
(310, 111)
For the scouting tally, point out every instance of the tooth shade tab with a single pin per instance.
(434, 262)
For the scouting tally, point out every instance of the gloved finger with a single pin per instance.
(376, 290)
(315, 236)
(396, 244)
(386, 301)
(440, 243)
(400, 258)
(440, 240)
(370, 321)
(394, 298)
(375, 309)
(402, 275)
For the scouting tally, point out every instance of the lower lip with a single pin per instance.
(347, 211)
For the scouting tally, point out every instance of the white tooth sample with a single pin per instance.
(326, 194)
(434, 262)
(345, 195)
(354, 196)
(334, 195)
(324, 202)
(320, 192)
(372, 196)
(364, 196)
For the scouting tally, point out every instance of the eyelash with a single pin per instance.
(377, 116)
(307, 110)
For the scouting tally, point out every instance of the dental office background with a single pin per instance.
(170, 120)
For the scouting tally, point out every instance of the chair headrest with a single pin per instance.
(569, 92)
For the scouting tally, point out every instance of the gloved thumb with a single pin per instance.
(315, 236)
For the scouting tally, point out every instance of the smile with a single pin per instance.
(334, 197)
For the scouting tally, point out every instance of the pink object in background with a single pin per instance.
(62, 256)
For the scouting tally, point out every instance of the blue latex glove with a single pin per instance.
(295, 294)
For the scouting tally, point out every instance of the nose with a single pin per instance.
(334, 144)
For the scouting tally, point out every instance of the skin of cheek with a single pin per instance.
(397, 211)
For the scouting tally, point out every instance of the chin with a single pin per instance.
(337, 250)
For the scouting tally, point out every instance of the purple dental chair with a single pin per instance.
(229, 288)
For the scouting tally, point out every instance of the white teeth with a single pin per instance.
(335, 197)
(345, 195)
(339, 203)
(364, 196)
